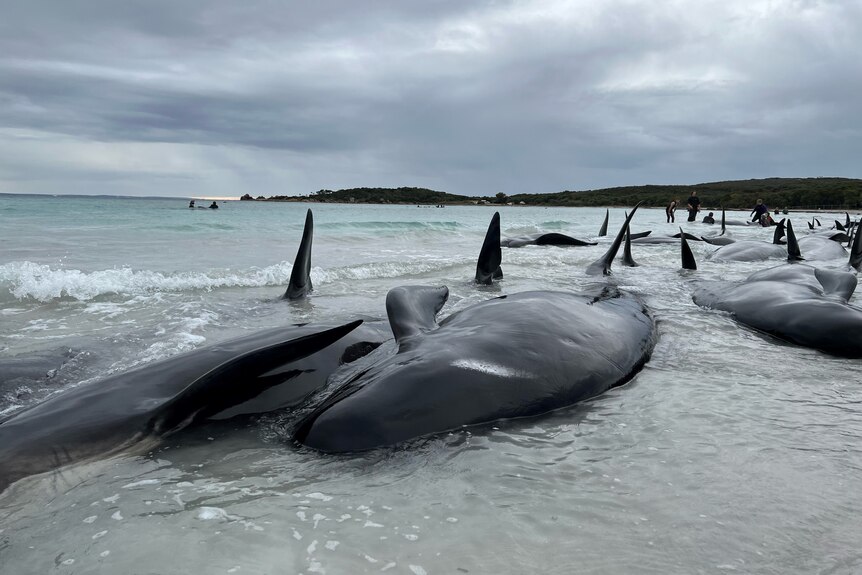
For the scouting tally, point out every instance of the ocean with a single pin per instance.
(729, 452)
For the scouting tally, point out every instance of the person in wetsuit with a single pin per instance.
(192, 204)
(693, 206)
(708, 219)
(669, 210)
(214, 206)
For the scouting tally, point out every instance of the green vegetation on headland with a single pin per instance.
(793, 193)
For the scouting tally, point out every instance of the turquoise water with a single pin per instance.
(729, 452)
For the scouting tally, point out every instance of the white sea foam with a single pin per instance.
(31, 281)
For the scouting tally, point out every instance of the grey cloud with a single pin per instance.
(466, 97)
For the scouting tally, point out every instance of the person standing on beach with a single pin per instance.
(693, 206)
(669, 210)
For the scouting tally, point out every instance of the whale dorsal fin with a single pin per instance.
(835, 282)
(847, 223)
(627, 249)
(793, 253)
(414, 309)
(856, 250)
(219, 388)
(723, 229)
(688, 262)
(839, 225)
(603, 231)
(603, 264)
(779, 231)
(488, 266)
(300, 275)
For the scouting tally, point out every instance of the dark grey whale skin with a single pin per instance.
(799, 304)
(514, 356)
(142, 405)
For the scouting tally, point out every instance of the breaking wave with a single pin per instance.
(39, 282)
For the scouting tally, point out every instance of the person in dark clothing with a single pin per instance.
(192, 204)
(214, 206)
(693, 206)
(708, 219)
(759, 209)
(669, 210)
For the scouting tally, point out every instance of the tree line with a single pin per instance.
(793, 193)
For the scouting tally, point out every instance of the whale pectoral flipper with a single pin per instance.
(300, 275)
(239, 379)
(414, 309)
(838, 283)
(491, 255)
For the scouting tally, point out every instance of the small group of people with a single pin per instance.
(693, 207)
(212, 206)
(760, 213)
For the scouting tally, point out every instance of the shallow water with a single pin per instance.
(730, 451)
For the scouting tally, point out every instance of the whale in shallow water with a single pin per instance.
(136, 408)
(513, 356)
(751, 250)
(549, 239)
(794, 302)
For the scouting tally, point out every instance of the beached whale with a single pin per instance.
(752, 250)
(797, 303)
(513, 356)
(549, 239)
(136, 408)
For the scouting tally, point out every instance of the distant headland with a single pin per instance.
(792, 193)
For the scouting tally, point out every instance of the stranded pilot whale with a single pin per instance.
(797, 303)
(512, 356)
(138, 407)
(509, 357)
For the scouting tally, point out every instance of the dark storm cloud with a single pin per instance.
(467, 97)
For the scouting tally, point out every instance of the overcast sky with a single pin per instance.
(225, 97)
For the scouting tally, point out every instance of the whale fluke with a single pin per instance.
(688, 262)
(603, 264)
(488, 266)
(603, 231)
(414, 309)
(856, 250)
(627, 249)
(216, 390)
(792, 245)
(300, 275)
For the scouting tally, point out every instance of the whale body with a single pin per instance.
(142, 405)
(513, 356)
